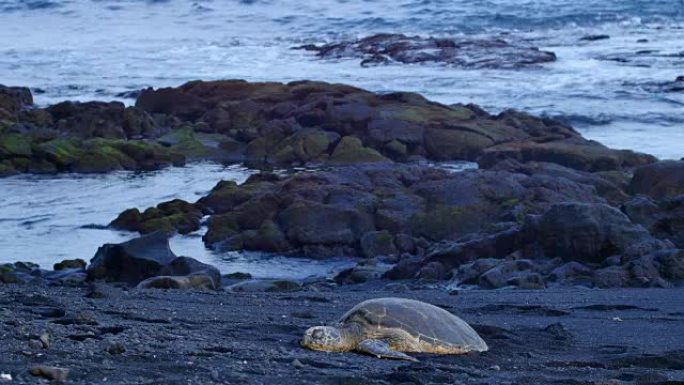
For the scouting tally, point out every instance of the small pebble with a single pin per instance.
(49, 372)
(35, 344)
(495, 367)
(5, 377)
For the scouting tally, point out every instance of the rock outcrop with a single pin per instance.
(298, 123)
(463, 52)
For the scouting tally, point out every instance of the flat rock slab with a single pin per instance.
(568, 336)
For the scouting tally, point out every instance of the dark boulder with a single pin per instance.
(13, 100)
(132, 261)
(663, 219)
(111, 120)
(146, 257)
(659, 180)
(590, 233)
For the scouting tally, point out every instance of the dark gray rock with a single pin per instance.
(664, 219)
(659, 180)
(145, 257)
(376, 243)
(132, 261)
(589, 233)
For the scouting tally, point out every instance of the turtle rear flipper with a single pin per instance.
(381, 349)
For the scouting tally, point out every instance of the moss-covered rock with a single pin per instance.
(227, 195)
(350, 149)
(36, 116)
(62, 152)
(149, 155)
(269, 237)
(129, 219)
(304, 146)
(574, 153)
(396, 148)
(7, 169)
(446, 144)
(448, 221)
(109, 148)
(70, 264)
(175, 215)
(182, 223)
(12, 145)
(41, 166)
(96, 162)
(185, 141)
(221, 228)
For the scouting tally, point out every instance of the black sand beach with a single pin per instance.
(564, 336)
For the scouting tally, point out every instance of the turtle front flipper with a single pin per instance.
(382, 349)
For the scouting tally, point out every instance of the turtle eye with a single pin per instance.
(317, 334)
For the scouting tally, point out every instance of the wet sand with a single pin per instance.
(564, 336)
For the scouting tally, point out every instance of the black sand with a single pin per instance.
(571, 336)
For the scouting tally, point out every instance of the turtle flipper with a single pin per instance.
(382, 349)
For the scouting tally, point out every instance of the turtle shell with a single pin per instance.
(427, 323)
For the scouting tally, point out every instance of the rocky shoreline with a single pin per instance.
(546, 209)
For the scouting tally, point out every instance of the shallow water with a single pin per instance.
(94, 49)
(45, 219)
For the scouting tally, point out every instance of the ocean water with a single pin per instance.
(96, 49)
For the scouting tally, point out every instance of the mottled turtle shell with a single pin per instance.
(434, 327)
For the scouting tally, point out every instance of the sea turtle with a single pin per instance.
(386, 327)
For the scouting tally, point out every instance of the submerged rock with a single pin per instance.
(464, 52)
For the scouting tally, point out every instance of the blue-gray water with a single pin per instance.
(95, 49)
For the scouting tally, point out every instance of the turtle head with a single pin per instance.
(326, 338)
